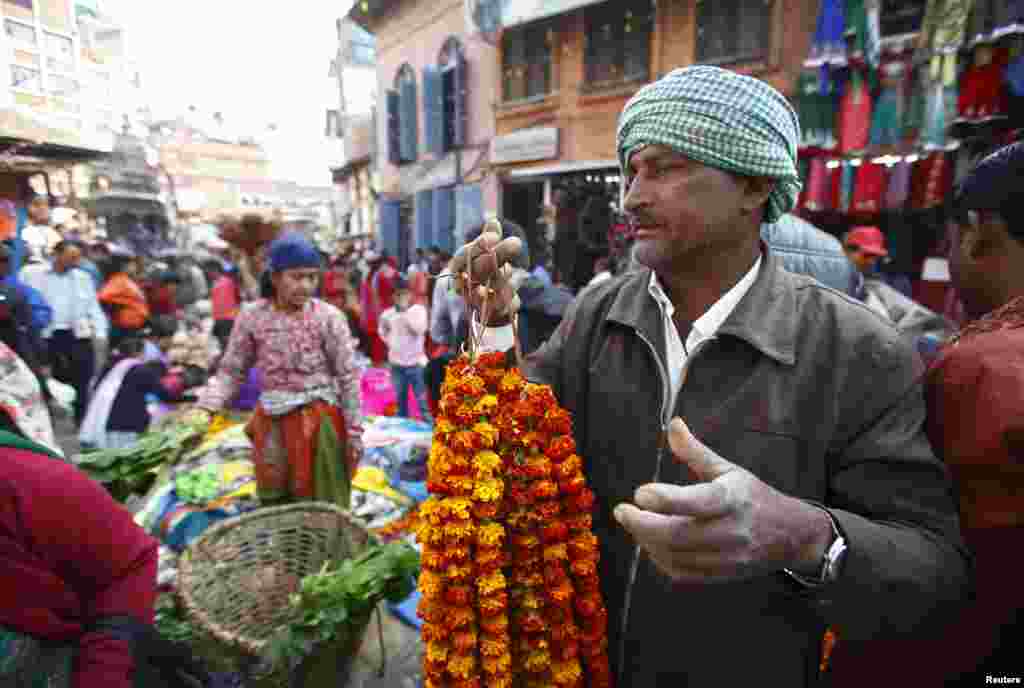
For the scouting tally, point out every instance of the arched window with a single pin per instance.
(450, 54)
(454, 92)
(402, 117)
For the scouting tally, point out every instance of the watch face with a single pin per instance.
(836, 556)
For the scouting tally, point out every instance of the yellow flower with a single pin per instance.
(487, 432)
(437, 652)
(493, 646)
(486, 463)
(531, 601)
(458, 530)
(431, 584)
(538, 661)
(486, 406)
(427, 534)
(432, 510)
(444, 427)
(498, 665)
(458, 507)
(500, 680)
(490, 535)
(555, 552)
(458, 573)
(462, 666)
(489, 490)
(491, 583)
(566, 673)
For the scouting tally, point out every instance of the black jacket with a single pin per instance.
(817, 396)
(16, 326)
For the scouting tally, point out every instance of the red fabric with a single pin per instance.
(70, 554)
(295, 475)
(163, 301)
(869, 187)
(818, 194)
(377, 295)
(854, 119)
(932, 179)
(225, 298)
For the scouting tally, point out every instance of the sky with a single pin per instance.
(249, 60)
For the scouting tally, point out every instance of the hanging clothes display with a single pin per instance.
(828, 45)
(854, 116)
(982, 94)
(868, 189)
(816, 111)
(887, 120)
(862, 34)
(899, 185)
(818, 190)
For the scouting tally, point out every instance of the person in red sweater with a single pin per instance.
(68, 583)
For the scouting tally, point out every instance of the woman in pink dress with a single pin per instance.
(303, 349)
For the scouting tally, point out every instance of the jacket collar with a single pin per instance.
(765, 317)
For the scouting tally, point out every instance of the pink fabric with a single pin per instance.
(224, 299)
(295, 353)
(404, 334)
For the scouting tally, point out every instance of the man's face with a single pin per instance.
(864, 262)
(293, 288)
(970, 272)
(683, 211)
(67, 259)
(39, 211)
(403, 298)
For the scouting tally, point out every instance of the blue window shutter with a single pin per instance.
(394, 140)
(469, 210)
(461, 96)
(390, 226)
(444, 218)
(424, 219)
(433, 111)
(407, 108)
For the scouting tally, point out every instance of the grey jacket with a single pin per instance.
(807, 250)
(816, 395)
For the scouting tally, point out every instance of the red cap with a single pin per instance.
(869, 240)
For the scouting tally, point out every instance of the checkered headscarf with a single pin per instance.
(719, 118)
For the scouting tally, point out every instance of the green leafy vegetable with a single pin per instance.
(198, 486)
(171, 622)
(338, 601)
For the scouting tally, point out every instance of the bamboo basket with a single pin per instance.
(236, 579)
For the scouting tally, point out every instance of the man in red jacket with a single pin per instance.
(74, 567)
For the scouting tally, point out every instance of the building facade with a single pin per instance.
(567, 69)
(436, 80)
(68, 68)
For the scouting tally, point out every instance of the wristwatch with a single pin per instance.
(831, 564)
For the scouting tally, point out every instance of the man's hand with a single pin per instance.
(485, 265)
(728, 526)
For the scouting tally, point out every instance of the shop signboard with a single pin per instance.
(525, 145)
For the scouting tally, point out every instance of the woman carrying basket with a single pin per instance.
(303, 349)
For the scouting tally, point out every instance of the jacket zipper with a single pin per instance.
(666, 412)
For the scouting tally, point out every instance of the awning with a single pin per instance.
(565, 168)
(27, 139)
(516, 12)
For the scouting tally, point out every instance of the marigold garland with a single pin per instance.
(509, 579)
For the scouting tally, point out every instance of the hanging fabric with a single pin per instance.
(854, 116)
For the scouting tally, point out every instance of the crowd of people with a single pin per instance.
(783, 446)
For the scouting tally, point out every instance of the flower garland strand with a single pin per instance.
(509, 583)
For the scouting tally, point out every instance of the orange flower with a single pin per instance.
(580, 522)
(525, 540)
(489, 490)
(489, 558)
(458, 531)
(499, 679)
(490, 534)
(512, 384)
(554, 531)
(554, 574)
(495, 625)
(427, 534)
(567, 673)
(508, 425)
(430, 610)
(464, 641)
(532, 622)
(587, 584)
(491, 583)
(466, 441)
(583, 545)
(583, 568)
(486, 510)
(458, 595)
(437, 652)
(466, 413)
(456, 507)
(587, 605)
(523, 410)
(494, 604)
(556, 421)
(431, 584)
(541, 397)
(530, 579)
(458, 617)
(491, 359)
(556, 552)
(462, 666)
(436, 485)
(458, 573)
(443, 427)
(538, 466)
(564, 633)
(492, 645)
(492, 377)
(461, 485)
(561, 594)
(543, 489)
(448, 403)
(536, 441)
(570, 467)
(457, 554)
(582, 502)
(548, 510)
(561, 447)
(497, 665)
(471, 386)
(472, 682)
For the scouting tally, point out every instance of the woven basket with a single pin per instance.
(235, 580)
